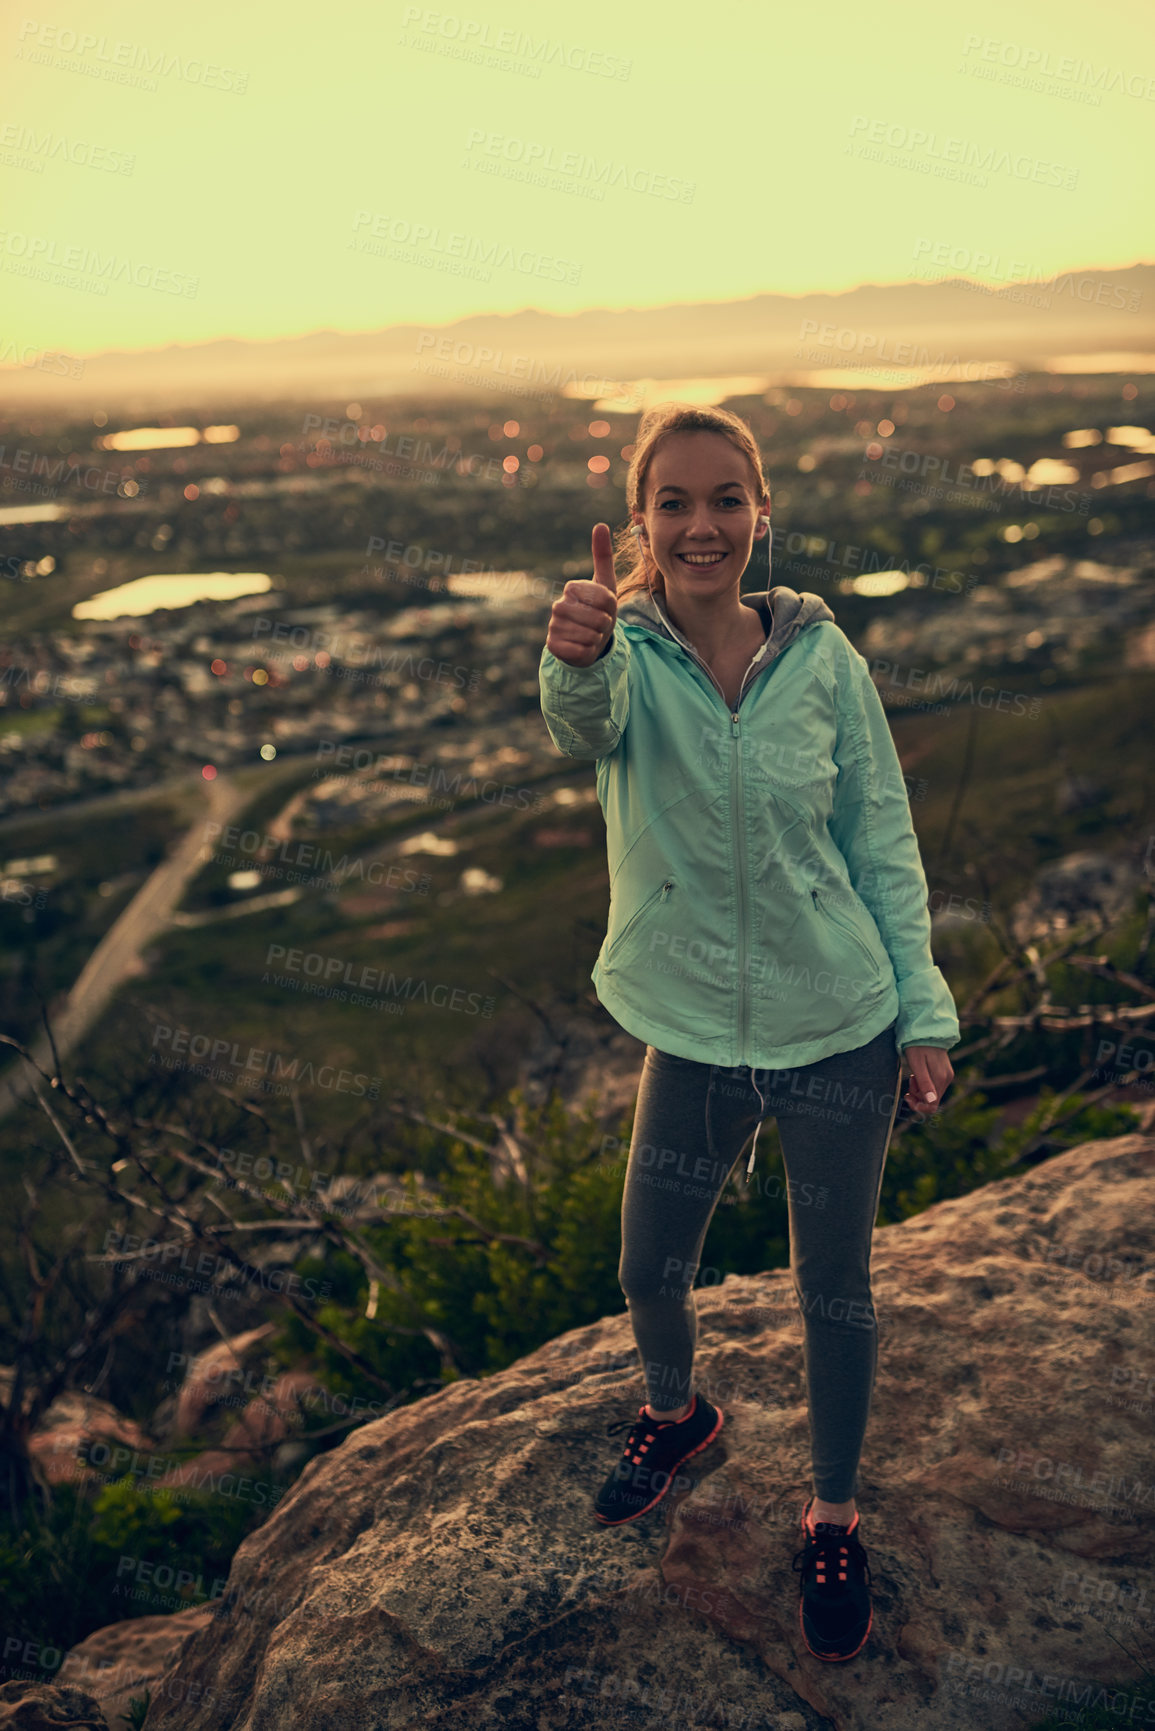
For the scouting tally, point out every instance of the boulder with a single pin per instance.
(443, 1563)
(1072, 889)
(276, 1415)
(71, 1441)
(126, 1659)
(46, 1707)
(584, 1057)
(221, 1375)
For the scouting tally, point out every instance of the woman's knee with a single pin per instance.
(652, 1282)
(839, 1300)
(835, 1310)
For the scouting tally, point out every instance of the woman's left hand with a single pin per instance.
(931, 1073)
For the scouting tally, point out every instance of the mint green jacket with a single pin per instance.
(768, 905)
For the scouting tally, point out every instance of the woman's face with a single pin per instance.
(701, 513)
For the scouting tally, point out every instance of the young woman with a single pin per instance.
(768, 939)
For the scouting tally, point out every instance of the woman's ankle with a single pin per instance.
(674, 1416)
(835, 1514)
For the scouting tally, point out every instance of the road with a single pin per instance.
(116, 957)
(151, 911)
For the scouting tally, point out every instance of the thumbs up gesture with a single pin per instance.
(582, 618)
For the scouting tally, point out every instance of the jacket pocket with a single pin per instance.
(658, 895)
(844, 926)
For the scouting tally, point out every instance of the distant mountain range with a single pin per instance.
(777, 337)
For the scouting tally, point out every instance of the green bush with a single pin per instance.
(495, 1299)
(61, 1574)
(138, 1706)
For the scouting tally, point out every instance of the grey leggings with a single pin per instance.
(834, 1121)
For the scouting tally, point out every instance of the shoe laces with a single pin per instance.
(831, 1556)
(642, 1429)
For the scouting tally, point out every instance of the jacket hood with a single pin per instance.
(784, 613)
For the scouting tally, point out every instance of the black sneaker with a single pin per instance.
(653, 1450)
(834, 1608)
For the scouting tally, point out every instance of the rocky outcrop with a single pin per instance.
(47, 1707)
(444, 1562)
(72, 1427)
(218, 1376)
(126, 1660)
(272, 1409)
(585, 1060)
(1078, 886)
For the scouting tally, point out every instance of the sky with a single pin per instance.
(263, 171)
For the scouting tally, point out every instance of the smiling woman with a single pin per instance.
(724, 525)
(767, 919)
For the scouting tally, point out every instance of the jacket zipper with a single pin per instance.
(844, 926)
(738, 794)
(737, 797)
(654, 896)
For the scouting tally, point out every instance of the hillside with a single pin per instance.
(444, 1559)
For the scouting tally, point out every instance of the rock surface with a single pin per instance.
(219, 1374)
(444, 1563)
(47, 1706)
(595, 1062)
(65, 1446)
(1077, 887)
(126, 1659)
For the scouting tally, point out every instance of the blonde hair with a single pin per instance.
(655, 425)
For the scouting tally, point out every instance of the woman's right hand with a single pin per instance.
(582, 618)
